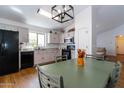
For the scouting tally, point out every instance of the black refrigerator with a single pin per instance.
(9, 51)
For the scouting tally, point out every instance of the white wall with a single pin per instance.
(107, 39)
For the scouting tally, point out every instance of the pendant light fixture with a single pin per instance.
(62, 13)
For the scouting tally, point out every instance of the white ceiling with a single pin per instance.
(28, 14)
(107, 17)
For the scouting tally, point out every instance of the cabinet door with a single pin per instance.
(61, 36)
(53, 38)
(36, 57)
(39, 57)
(23, 35)
(50, 57)
(57, 40)
(50, 37)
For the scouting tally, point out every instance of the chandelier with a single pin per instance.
(62, 13)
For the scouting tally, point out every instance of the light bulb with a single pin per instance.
(59, 11)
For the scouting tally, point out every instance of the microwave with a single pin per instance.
(69, 40)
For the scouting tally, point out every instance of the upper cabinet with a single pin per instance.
(62, 36)
(23, 32)
(59, 37)
(8, 27)
(53, 37)
(23, 35)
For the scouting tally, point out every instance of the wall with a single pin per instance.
(107, 39)
(94, 30)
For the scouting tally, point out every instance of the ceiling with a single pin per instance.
(28, 14)
(107, 17)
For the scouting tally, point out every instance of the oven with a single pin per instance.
(72, 48)
(66, 52)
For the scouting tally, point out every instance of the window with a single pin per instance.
(41, 40)
(37, 40)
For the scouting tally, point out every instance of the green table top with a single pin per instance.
(94, 74)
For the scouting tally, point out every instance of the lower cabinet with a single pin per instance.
(45, 55)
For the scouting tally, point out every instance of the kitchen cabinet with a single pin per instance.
(62, 36)
(83, 30)
(8, 27)
(39, 56)
(23, 32)
(53, 37)
(23, 35)
(45, 55)
(83, 40)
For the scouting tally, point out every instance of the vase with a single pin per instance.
(80, 61)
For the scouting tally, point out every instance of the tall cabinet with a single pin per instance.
(83, 30)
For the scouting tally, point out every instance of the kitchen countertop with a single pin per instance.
(27, 50)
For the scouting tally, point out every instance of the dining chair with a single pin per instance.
(90, 56)
(94, 57)
(100, 53)
(114, 76)
(61, 58)
(49, 81)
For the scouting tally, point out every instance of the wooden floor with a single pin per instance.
(27, 78)
(120, 58)
(120, 83)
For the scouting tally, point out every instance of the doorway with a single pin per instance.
(120, 44)
(120, 48)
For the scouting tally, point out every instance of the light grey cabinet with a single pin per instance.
(23, 32)
(23, 35)
(53, 37)
(8, 27)
(45, 55)
(61, 36)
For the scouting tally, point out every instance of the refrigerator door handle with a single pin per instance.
(3, 49)
(0, 49)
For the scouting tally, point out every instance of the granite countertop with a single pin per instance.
(26, 50)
